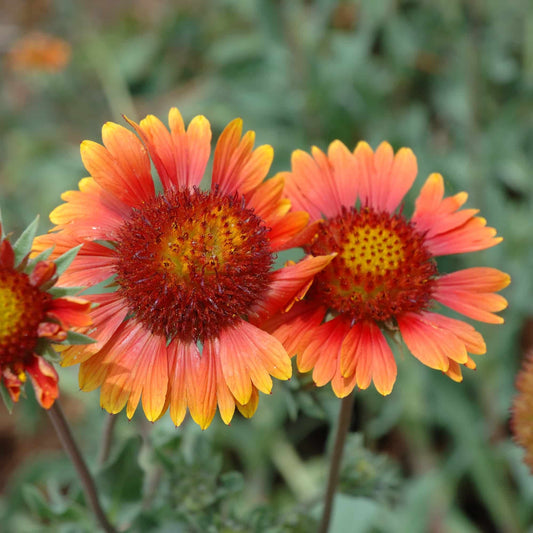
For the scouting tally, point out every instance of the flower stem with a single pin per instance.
(343, 424)
(107, 437)
(67, 440)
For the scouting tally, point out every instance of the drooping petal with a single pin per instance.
(179, 356)
(429, 342)
(202, 386)
(248, 354)
(471, 292)
(294, 327)
(44, 379)
(366, 355)
(70, 311)
(126, 353)
(248, 410)
(322, 350)
(289, 285)
(225, 400)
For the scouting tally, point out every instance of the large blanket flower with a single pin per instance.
(190, 269)
(32, 316)
(384, 277)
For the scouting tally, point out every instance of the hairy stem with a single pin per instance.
(67, 440)
(343, 424)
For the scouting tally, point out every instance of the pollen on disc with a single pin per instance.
(191, 263)
(382, 267)
(21, 311)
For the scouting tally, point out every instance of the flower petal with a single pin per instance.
(471, 292)
(429, 342)
(44, 379)
(237, 167)
(366, 354)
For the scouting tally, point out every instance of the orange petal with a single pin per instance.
(289, 285)
(430, 343)
(225, 400)
(44, 379)
(366, 354)
(237, 167)
(201, 382)
(321, 352)
(106, 319)
(179, 356)
(470, 292)
(154, 380)
(328, 363)
(401, 179)
(248, 410)
(294, 328)
(123, 357)
(70, 311)
(122, 167)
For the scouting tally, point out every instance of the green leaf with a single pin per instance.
(74, 337)
(43, 256)
(23, 245)
(59, 292)
(36, 502)
(63, 261)
(122, 478)
(5, 396)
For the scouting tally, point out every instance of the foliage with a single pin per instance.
(451, 79)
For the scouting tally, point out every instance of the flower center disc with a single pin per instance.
(382, 267)
(191, 263)
(21, 311)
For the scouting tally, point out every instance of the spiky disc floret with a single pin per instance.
(22, 309)
(382, 267)
(191, 263)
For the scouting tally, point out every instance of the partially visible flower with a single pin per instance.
(39, 52)
(192, 268)
(31, 318)
(384, 277)
(522, 410)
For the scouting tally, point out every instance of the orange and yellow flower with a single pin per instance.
(191, 268)
(384, 277)
(32, 317)
(39, 52)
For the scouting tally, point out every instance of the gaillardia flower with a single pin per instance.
(190, 269)
(32, 317)
(384, 276)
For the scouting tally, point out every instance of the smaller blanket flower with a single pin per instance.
(32, 317)
(384, 277)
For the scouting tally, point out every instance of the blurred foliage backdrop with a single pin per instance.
(452, 79)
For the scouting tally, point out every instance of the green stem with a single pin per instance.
(107, 437)
(343, 424)
(69, 444)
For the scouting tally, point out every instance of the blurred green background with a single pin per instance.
(453, 80)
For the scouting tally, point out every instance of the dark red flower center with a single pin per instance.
(22, 309)
(191, 263)
(382, 268)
